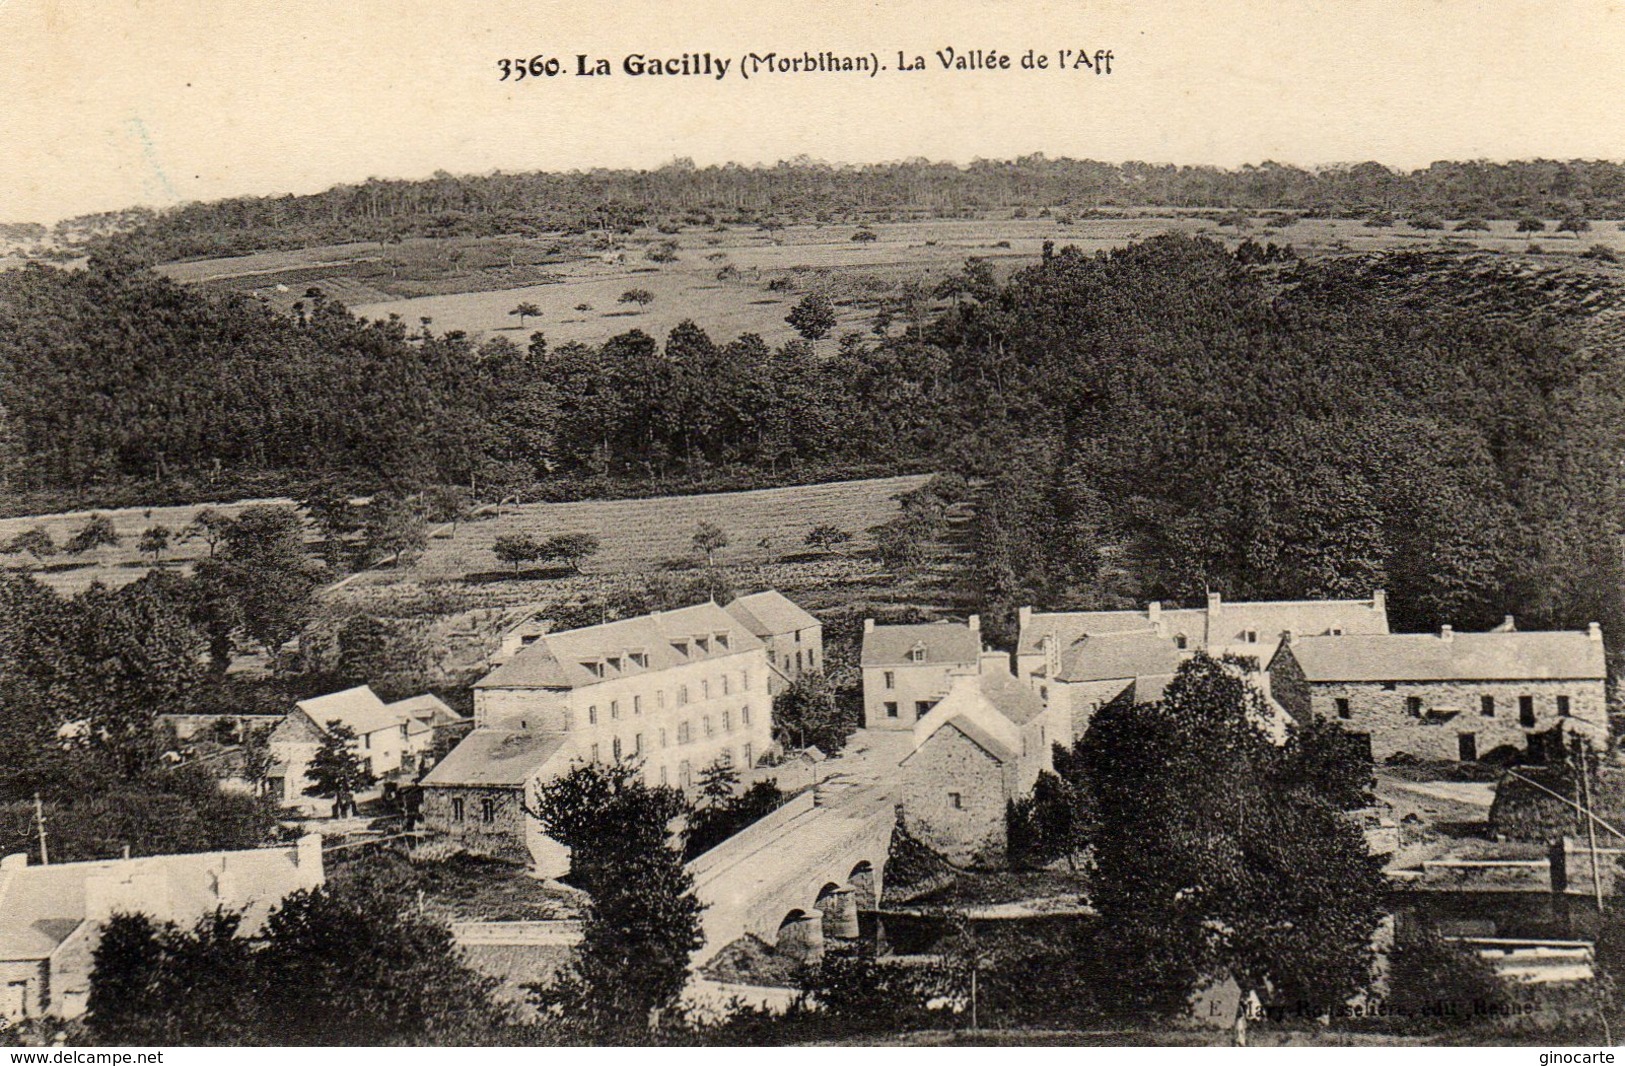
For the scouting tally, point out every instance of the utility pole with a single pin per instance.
(1580, 749)
(39, 822)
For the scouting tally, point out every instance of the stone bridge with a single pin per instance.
(800, 875)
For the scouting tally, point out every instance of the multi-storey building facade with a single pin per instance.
(908, 668)
(676, 691)
(793, 638)
(1448, 695)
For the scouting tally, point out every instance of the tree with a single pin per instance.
(447, 503)
(1574, 223)
(517, 548)
(36, 542)
(1053, 822)
(641, 297)
(1245, 877)
(1471, 224)
(1530, 224)
(210, 525)
(718, 783)
(525, 310)
(827, 537)
(573, 548)
(260, 581)
(709, 539)
(644, 921)
(155, 541)
(810, 713)
(159, 984)
(392, 527)
(1425, 220)
(865, 236)
(336, 772)
(813, 317)
(97, 531)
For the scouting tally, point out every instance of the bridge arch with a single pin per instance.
(862, 879)
(801, 936)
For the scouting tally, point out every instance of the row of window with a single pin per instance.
(1486, 707)
(685, 734)
(921, 708)
(682, 696)
(812, 661)
(685, 769)
(488, 810)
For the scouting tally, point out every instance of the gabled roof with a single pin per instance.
(428, 709)
(769, 613)
(1215, 630)
(966, 726)
(943, 643)
(1068, 626)
(496, 757)
(1010, 696)
(358, 708)
(557, 660)
(1109, 656)
(1462, 657)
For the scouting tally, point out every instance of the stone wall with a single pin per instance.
(22, 989)
(950, 764)
(1448, 711)
(503, 837)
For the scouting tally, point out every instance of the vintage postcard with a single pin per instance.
(883, 524)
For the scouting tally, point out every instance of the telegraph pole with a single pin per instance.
(39, 822)
(1580, 749)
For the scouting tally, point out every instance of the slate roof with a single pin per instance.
(1068, 626)
(1225, 631)
(495, 758)
(556, 660)
(427, 708)
(1109, 656)
(1464, 657)
(359, 708)
(769, 613)
(944, 642)
(1013, 699)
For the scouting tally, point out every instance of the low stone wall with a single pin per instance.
(1487, 875)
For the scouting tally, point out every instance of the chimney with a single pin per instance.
(1594, 631)
(1024, 617)
(1447, 633)
(1153, 612)
(975, 623)
(1215, 603)
(868, 625)
(1379, 603)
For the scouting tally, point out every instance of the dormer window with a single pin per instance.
(1252, 636)
(1181, 642)
(703, 643)
(595, 667)
(722, 640)
(615, 663)
(1336, 631)
(639, 658)
(681, 647)
(916, 654)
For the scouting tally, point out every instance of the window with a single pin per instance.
(746, 756)
(637, 744)
(1467, 747)
(457, 810)
(891, 709)
(798, 636)
(615, 748)
(366, 741)
(1180, 641)
(1389, 686)
(727, 686)
(891, 679)
(744, 714)
(1486, 706)
(682, 733)
(812, 658)
(705, 689)
(727, 722)
(614, 709)
(638, 658)
(488, 811)
(744, 679)
(1562, 706)
(1413, 706)
(798, 662)
(722, 640)
(593, 667)
(706, 722)
(637, 705)
(680, 647)
(916, 654)
(1336, 632)
(1252, 636)
(592, 715)
(1043, 692)
(595, 753)
(786, 661)
(662, 738)
(403, 730)
(662, 775)
(703, 643)
(1526, 710)
(956, 801)
(660, 699)
(682, 695)
(1343, 710)
(922, 708)
(615, 663)
(685, 777)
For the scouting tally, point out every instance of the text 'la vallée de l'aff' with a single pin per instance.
(753, 64)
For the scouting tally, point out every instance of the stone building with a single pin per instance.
(907, 668)
(793, 638)
(1448, 695)
(51, 916)
(978, 749)
(676, 691)
(1082, 660)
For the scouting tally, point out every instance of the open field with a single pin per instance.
(117, 564)
(471, 284)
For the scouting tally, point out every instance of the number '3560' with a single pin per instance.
(534, 67)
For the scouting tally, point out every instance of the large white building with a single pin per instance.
(676, 691)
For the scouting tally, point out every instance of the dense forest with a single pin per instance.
(1147, 423)
(804, 191)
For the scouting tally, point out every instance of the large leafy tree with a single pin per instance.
(260, 584)
(644, 921)
(336, 772)
(1217, 857)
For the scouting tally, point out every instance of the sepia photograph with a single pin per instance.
(1021, 524)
